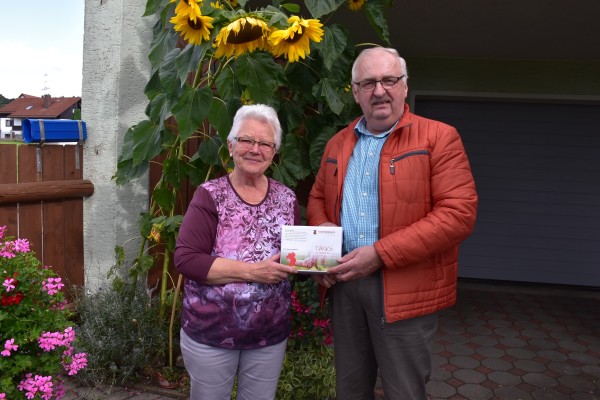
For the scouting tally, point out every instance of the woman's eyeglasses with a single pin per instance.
(248, 143)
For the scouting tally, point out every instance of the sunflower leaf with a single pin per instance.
(260, 74)
(317, 146)
(163, 43)
(188, 60)
(280, 173)
(192, 108)
(375, 10)
(227, 84)
(293, 8)
(333, 45)
(221, 115)
(159, 108)
(209, 150)
(146, 142)
(326, 89)
(168, 75)
(318, 8)
(294, 156)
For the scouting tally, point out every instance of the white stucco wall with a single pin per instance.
(115, 71)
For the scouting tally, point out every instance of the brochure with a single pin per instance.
(311, 249)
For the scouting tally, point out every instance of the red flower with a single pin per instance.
(11, 300)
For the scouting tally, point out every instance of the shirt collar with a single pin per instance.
(361, 129)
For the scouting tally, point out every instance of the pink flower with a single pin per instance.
(38, 384)
(52, 286)
(49, 341)
(2, 231)
(2, 395)
(8, 347)
(21, 245)
(78, 362)
(9, 283)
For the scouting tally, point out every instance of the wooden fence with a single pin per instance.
(41, 199)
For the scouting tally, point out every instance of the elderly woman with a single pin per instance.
(235, 318)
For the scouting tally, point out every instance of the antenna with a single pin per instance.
(45, 89)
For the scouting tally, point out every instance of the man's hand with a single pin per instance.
(324, 279)
(359, 263)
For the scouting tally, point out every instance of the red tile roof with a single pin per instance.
(26, 106)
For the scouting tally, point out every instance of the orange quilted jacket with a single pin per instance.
(428, 205)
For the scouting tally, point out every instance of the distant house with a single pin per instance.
(26, 106)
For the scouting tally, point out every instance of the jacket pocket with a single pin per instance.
(409, 173)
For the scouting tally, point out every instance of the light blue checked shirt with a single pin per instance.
(360, 204)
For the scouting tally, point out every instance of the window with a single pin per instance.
(9, 122)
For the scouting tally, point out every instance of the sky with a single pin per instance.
(41, 47)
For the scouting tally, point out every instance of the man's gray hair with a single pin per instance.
(367, 53)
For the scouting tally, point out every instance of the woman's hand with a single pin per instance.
(270, 271)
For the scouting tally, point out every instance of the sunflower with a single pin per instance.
(193, 28)
(356, 5)
(294, 42)
(216, 5)
(243, 35)
(189, 8)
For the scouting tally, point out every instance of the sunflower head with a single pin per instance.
(294, 42)
(194, 29)
(240, 36)
(189, 8)
(356, 5)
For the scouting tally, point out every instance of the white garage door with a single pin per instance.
(537, 170)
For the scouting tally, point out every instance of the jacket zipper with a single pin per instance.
(412, 153)
(392, 172)
(334, 161)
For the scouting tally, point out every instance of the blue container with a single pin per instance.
(53, 130)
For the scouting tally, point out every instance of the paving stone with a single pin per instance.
(540, 380)
(504, 378)
(511, 393)
(469, 376)
(464, 362)
(496, 364)
(475, 392)
(484, 340)
(530, 366)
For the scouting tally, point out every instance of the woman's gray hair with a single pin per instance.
(367, 53)
(258, 112)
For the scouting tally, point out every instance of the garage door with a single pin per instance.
(537, 171)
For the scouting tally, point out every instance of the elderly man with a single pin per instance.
(401, 187)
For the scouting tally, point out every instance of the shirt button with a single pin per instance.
(362, 236)
(365, 194)
(362, 214)
(367, 173)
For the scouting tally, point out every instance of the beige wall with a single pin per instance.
(115, 71)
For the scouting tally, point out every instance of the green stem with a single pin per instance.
(172, 321)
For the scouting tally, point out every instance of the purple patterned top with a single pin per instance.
(218, 223)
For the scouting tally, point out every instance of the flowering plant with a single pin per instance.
(208, 58)
(308, 372)
(36, 337)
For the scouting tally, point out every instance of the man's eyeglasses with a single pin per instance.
(248, 143)
(368, 85)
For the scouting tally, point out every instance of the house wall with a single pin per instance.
(115, 71)
(561, 78)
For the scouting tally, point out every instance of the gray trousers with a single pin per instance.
(363, 343)
(212, 370)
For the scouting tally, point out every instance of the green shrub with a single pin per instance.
(121, 332)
